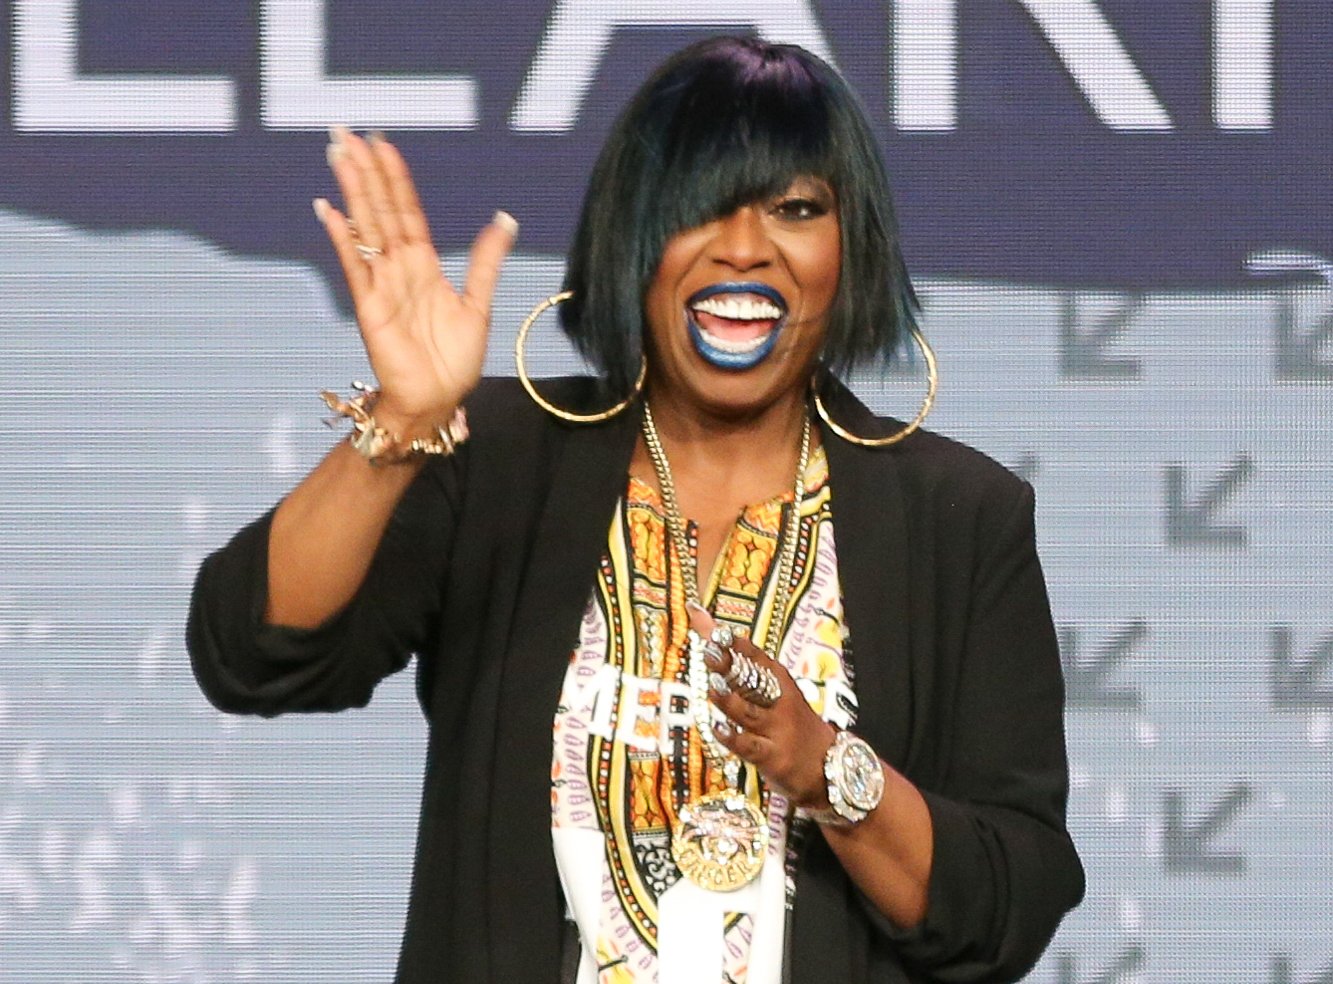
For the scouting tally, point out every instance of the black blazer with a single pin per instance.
(484, 573)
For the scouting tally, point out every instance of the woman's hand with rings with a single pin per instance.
(785, 742)
(426, 339)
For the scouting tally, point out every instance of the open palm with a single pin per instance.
(426, 339)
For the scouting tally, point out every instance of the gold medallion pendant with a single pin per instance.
(720, 840)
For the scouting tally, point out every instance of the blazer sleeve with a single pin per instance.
(1005, 870)
(245, 666)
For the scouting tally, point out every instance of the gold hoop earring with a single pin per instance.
(541, 401)
(932, 384)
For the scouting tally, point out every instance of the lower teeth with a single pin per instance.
(734, 348)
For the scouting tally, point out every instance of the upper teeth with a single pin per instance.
(739, 308)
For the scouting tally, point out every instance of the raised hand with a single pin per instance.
(426, 339)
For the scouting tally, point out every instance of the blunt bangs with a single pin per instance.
(722, 123)
(737, 137)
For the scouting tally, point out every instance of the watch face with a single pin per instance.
(862, 776)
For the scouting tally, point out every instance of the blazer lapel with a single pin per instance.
(870, 526)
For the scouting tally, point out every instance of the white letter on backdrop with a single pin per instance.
(925, 65)
(50, 96)
(580, 31)
(1098, 63)
(297, 95)
(1243, 64)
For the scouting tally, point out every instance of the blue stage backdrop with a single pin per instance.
(1118, 213)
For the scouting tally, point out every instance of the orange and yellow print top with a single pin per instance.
(627, 756)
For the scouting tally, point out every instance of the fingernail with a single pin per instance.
(719, 683)
(506, 222)
(695, 606)
(321, 206)
(338, 133)
(334, 152)
(723, 729)
(377, 136)
(713, 659)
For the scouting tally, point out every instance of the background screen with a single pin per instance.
(1118, 217)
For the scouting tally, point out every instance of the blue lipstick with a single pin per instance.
(734, 357)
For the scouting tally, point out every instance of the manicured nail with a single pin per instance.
(377, 136)
(334, 152)
(321, 206)
(719, 684)
(506, 222)
(338, 133)
(724, 729)
(695, 606)
(712, 656)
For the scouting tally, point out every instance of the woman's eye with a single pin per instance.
(800, 208)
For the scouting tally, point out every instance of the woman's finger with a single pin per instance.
(348, 157)
(489, 250)
(703, 624)
(377, 187)
(747, 714)
(355, 269)
(754, 748)
(412, 225)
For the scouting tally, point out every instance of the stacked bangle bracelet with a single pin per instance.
(382, 446)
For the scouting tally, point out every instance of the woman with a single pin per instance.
(731, 794)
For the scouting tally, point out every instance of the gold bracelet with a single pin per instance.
(379, 445)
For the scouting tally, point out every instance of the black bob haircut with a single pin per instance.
(722, 123)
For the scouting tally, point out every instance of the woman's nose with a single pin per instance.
(742, 241)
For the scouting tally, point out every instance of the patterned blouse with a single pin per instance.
(626, 757)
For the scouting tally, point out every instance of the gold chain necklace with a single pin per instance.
(720, 839)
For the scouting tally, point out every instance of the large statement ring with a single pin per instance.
(756, 684)
(710, 648)
(768, 690)
(742, 671)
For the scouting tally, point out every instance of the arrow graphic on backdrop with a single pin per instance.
(1296, 348)
(1193, 522)
(1185, 845)
(1282, 973)
(1086, 677)
(1128, 962)
(1295, 681)
(1297, 351)
(1083, 351)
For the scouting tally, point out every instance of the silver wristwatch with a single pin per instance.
(855, 781)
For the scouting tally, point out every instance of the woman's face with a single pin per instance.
(739, 306)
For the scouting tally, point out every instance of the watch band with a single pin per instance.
(827, 818)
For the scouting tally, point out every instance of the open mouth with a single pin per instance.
(735, 325)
